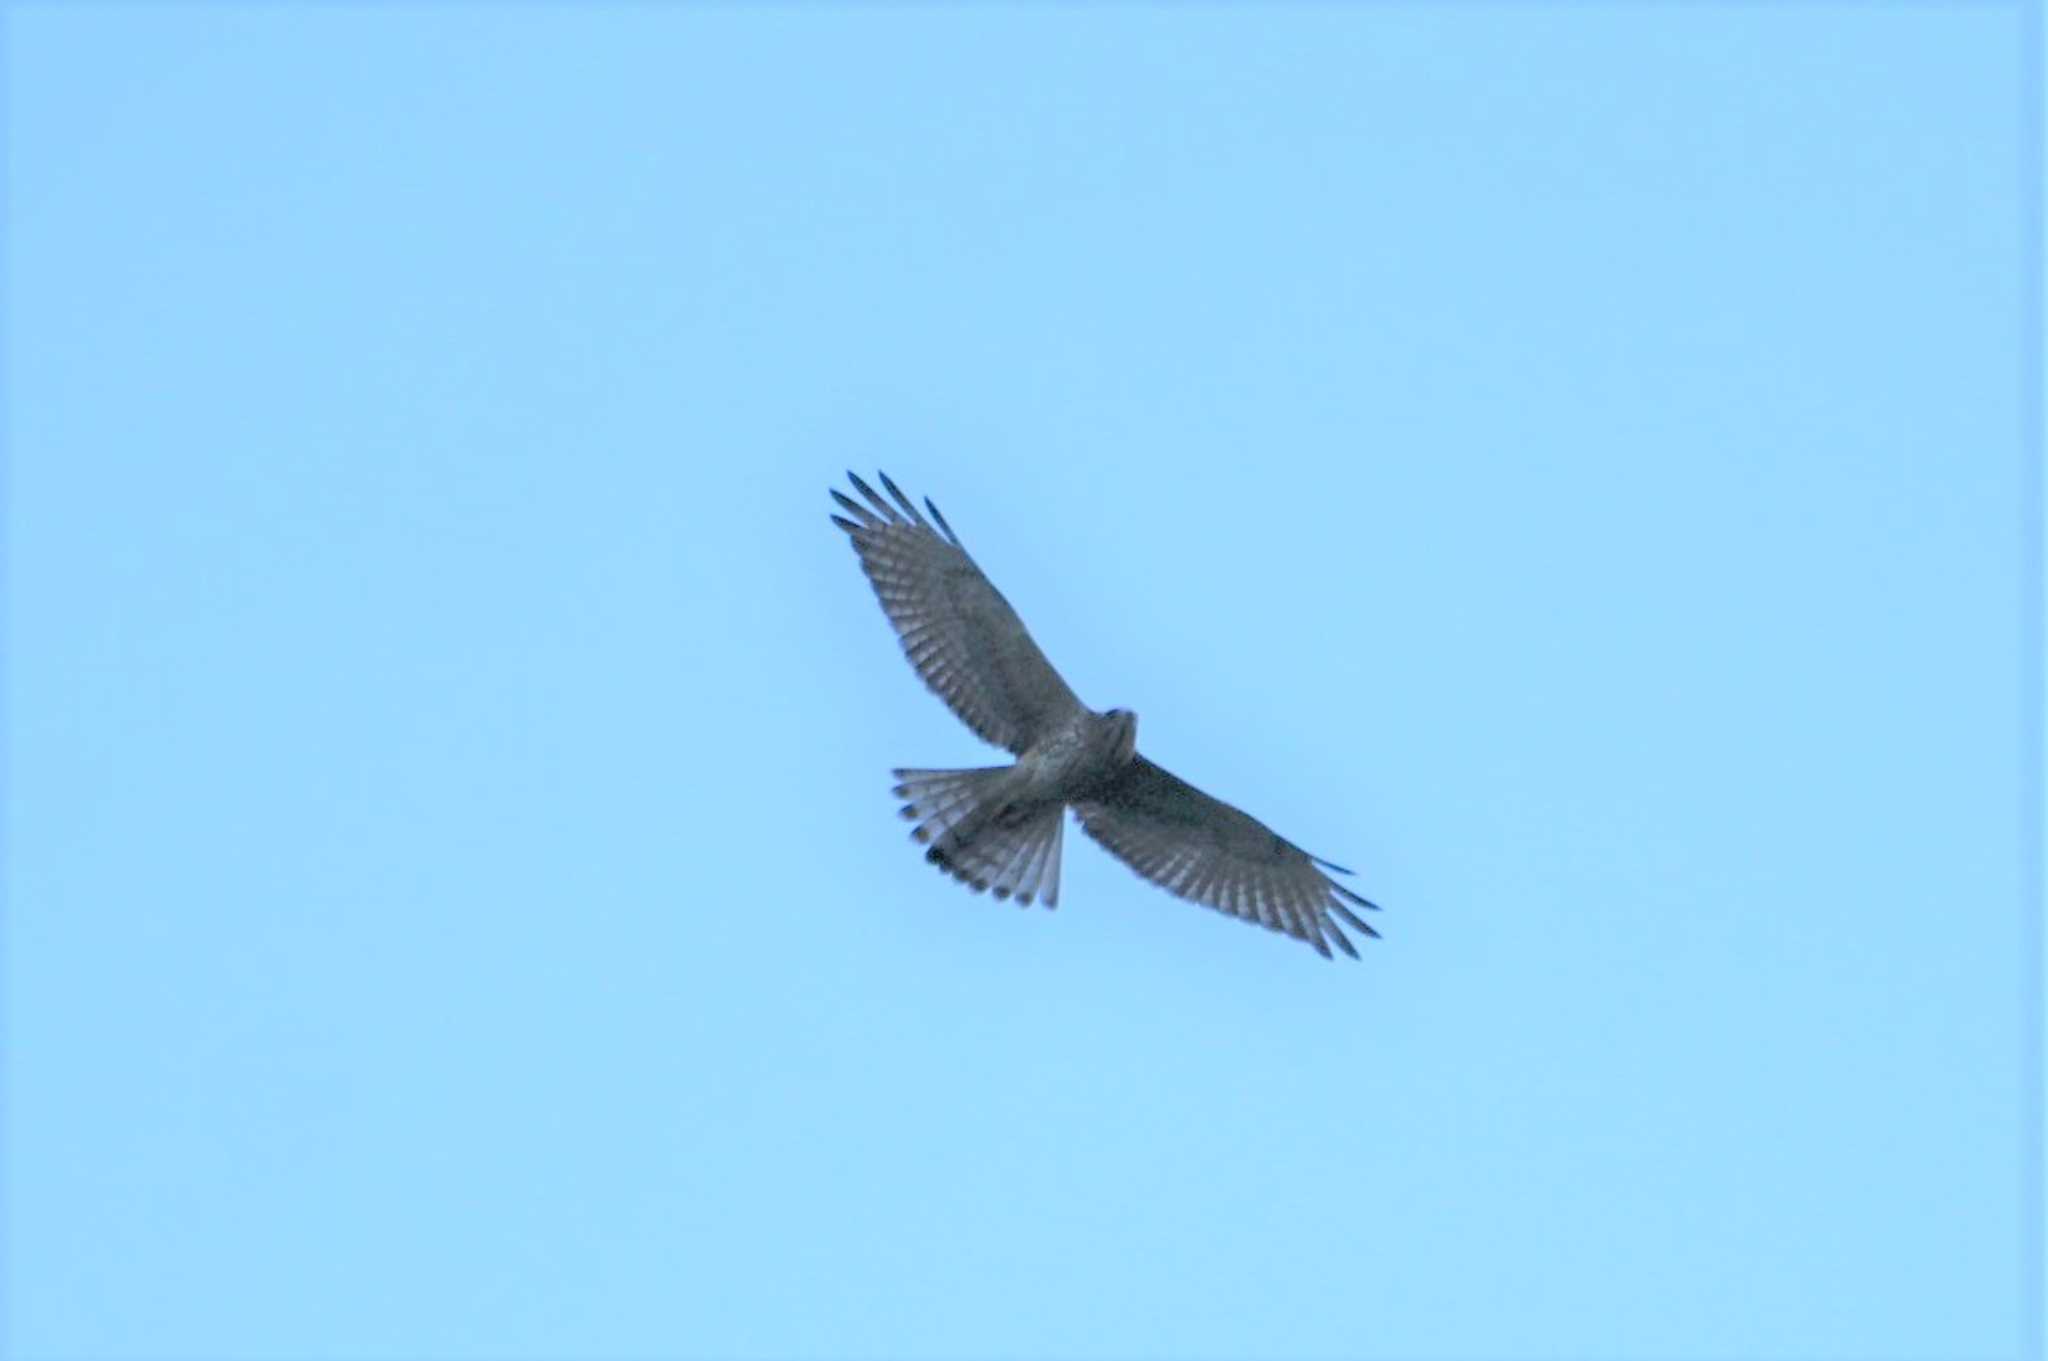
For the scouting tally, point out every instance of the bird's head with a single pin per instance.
(1124, 726)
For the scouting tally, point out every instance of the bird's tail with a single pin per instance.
(982, 836)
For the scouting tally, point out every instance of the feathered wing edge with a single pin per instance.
(883, 513)
(1201, 849)
(1336, 903)
(959, 634)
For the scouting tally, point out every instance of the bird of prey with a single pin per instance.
(999, 827)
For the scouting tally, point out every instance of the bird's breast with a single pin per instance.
(1071, 760)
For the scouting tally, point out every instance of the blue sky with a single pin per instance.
(1563, 462)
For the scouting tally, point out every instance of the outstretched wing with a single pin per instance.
(1204, 850)
(957, 630)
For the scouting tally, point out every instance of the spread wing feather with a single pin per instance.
(959, 633)
(1202, 849)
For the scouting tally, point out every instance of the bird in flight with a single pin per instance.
(999, 827)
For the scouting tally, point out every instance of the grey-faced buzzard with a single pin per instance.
(999, 827)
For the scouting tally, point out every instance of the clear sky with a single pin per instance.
(1564, 463)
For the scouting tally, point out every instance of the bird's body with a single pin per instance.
(1000, 827)
(1079, 755)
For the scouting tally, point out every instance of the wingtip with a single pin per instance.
(941, 521)
(1346, 893)
(887, 513)
(1352, 919)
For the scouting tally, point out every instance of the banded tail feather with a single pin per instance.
(973, 832)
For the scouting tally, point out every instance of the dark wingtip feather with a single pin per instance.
(942, 521)
(846, 524)
(908, 507)
(1329, 864)
(1352, 917)
(1362, 902)
(1343, 941)
(854, 508)
(874, 497)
